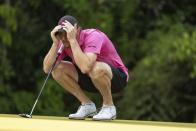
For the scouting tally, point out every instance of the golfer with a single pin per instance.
(95, 67)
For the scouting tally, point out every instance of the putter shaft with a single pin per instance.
(53, 65)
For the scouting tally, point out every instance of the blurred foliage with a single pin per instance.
(158, 79)
(156, 40)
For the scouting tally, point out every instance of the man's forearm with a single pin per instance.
(81, 59)
(50, 58)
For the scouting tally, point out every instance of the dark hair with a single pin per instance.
(70, 19)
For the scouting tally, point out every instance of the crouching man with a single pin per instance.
(95, 67)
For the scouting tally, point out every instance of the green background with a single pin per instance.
(155, 38)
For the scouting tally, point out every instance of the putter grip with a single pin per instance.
(60, 50)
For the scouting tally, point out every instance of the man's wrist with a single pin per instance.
(73, 41)
(54, 45)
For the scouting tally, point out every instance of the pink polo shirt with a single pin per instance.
(95, 41)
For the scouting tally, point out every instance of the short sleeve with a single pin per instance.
(93, 43)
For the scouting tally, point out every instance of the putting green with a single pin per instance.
(48, 123)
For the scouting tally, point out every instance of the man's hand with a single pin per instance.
(52, 34)
(71, 31)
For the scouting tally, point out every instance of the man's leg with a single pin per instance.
(101, 76)
(66, 75)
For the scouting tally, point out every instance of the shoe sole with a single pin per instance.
(76, 118)
(112, 118)
(83, 118)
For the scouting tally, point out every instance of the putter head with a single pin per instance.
(25, 115)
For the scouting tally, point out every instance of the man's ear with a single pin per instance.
(75, 26)
(78, 28)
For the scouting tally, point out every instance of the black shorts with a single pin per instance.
(118, 81)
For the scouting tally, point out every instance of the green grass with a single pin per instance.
(133, 122)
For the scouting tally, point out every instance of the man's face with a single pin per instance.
(63, 37)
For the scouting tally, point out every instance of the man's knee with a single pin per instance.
(97, 73)
(64, 69)
(58, 71)
(99, 70)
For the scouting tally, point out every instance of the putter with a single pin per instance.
(53, 65)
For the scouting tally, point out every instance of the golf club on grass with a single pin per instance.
(53, 65)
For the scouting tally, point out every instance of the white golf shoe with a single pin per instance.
(84, 111)
(106, 113)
